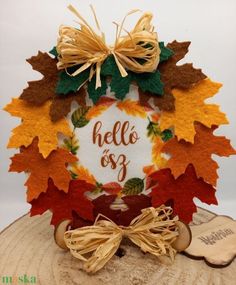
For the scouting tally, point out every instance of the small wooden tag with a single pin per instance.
(214, 241)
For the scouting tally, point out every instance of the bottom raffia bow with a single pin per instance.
(154, 231)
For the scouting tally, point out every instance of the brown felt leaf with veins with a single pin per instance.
(199, 154)
(174, 76)
(41, 169)
(36, 122)
(41, 90)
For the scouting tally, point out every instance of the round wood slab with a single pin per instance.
(27, 247)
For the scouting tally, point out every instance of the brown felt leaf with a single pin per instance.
(41, 90)
(199, 154)
(174, 76)
(63, 204)
(41, 169)
(36, 123)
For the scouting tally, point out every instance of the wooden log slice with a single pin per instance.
(28, 250)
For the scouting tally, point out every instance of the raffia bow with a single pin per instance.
(138, 51)
(153, 231)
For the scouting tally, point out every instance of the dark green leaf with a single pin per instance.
(166, 135)
(149, 82)
(153, 129)
(94, 93)
(109, 67)
(78, 117)
(54, 52)
(67, 83)
(73, 175)
(133, 186)
(165, 52)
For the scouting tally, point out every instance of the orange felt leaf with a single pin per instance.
(190, 107)
(84, 174)
(199, 154)
(36, 122)
(157, 159)
(132, 108)
(41, 169)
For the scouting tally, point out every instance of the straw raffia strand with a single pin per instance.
(86, 48)
(153, 231)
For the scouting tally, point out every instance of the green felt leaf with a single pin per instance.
(166, 135)
(54, 52)
(133, 186)
(94, 93)
(78, 117)
(150, 82)
(165, 52)
(67, 83)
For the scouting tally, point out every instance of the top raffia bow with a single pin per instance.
(138, 51)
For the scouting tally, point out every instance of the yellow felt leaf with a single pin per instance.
(190, 108)
(84, 174)
(132, 108)
(96, 111)
(157, 159)
(36, 122)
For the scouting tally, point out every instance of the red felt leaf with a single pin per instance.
(62, 204)
(182, 191)
(112, 187)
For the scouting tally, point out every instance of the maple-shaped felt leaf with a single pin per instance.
(181, 191)
(199, 154)
(62, 204)
(40, 169)
(40, 91)
(174, 76)
(36, 122)
(190, 107)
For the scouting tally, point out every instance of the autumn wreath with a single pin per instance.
(180, 125)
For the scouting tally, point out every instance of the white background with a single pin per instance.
(27, 26)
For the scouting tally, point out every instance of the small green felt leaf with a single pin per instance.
(67, 83)
(150, 82)
(54, 52)
(133, 186)
(78, 117)
(166, 135)
(165, 52)
(94, 93)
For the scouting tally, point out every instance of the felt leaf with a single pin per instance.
(199, 154)
(54, 52)
(135, 204)
(112, 188)
(157, 159)
(181, 191)
(133, 186)
(36, 122)
(62, 204)
(67, 83)
(78, 117)
(165, 52)
(132, 108)
(190, 108)
(83, 173)
(41, 169)
(94, 93)
(38, 92)
(61, 105)
(149, 82)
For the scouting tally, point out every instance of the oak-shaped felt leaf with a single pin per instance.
(199, 154)
(132, 108)
(190, 107)
(181, 192)
(40, 91)
(83, 173)
(41, 169)
(135, 204)
(63, 204)
(36, 122)
(78, 117)
(133, 186)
